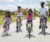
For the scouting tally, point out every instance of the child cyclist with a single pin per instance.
(29, 18)
(7, 21)
(43, 12)
(18, 13)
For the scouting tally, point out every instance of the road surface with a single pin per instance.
(22, 36)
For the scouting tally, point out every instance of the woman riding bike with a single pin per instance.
(7, 23)
(29, 18)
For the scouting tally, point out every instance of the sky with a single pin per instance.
(13, 4)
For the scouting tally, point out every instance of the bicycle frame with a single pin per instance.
(29, 29)
(43, 25)
(6, 24)
(18, 24)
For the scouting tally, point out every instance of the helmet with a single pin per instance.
(42, 2)
(19, 6)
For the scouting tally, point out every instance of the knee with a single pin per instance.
(45, 18)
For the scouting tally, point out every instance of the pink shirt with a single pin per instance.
(29, 16)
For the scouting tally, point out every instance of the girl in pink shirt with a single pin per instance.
(29, 18)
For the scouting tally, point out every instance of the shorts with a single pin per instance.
(42, 16)
(19, 18)
(29, 21)
(5, 24)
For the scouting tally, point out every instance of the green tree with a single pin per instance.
(48, 4)
(25, 12)
(34, 12)
(2, 12)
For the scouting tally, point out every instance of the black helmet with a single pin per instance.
(19, 6)
(42, 2)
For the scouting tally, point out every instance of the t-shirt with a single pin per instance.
(7, 19)
(19, 14)
(42, 11)
(29, 16)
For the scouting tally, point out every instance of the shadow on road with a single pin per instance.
(30, 36)
(45, 33)
(6, 35)
(18, 31)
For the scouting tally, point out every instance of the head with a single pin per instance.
(30, 11)
(42, 4)
(7, 14)
(19, 8)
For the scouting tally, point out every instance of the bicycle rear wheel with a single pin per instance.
(43, 30)
(17, 27)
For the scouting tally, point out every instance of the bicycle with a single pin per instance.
(29, 29)
(43, 25)
(18, 24)
(7, 28)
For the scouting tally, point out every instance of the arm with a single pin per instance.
(3, 18)
(21, 14)
(10, 19)
(33, 16)
(15, 13)
(38, 13)
(47, 13)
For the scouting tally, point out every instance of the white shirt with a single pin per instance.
(19, 14)
(43, 11)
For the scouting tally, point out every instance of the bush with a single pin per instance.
(25, 12)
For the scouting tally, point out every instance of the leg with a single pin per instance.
(4, 32)
(4, 28)
(31, 25)
(8, 26)
(26, 25)
(21, 21)
(16, 23)
(46, 21)
(40, 22)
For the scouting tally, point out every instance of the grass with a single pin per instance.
(48, 19)
(13, 18)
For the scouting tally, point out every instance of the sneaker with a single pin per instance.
(40, 27)
(46, 27)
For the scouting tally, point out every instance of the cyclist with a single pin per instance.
(19, 14)
(43, 12)
(7, 21)
(29, 18)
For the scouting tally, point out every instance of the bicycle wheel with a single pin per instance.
(17, 27)
(29, 34)
(44, 30)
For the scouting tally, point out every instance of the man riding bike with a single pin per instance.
(43, 12)
(18, 13)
